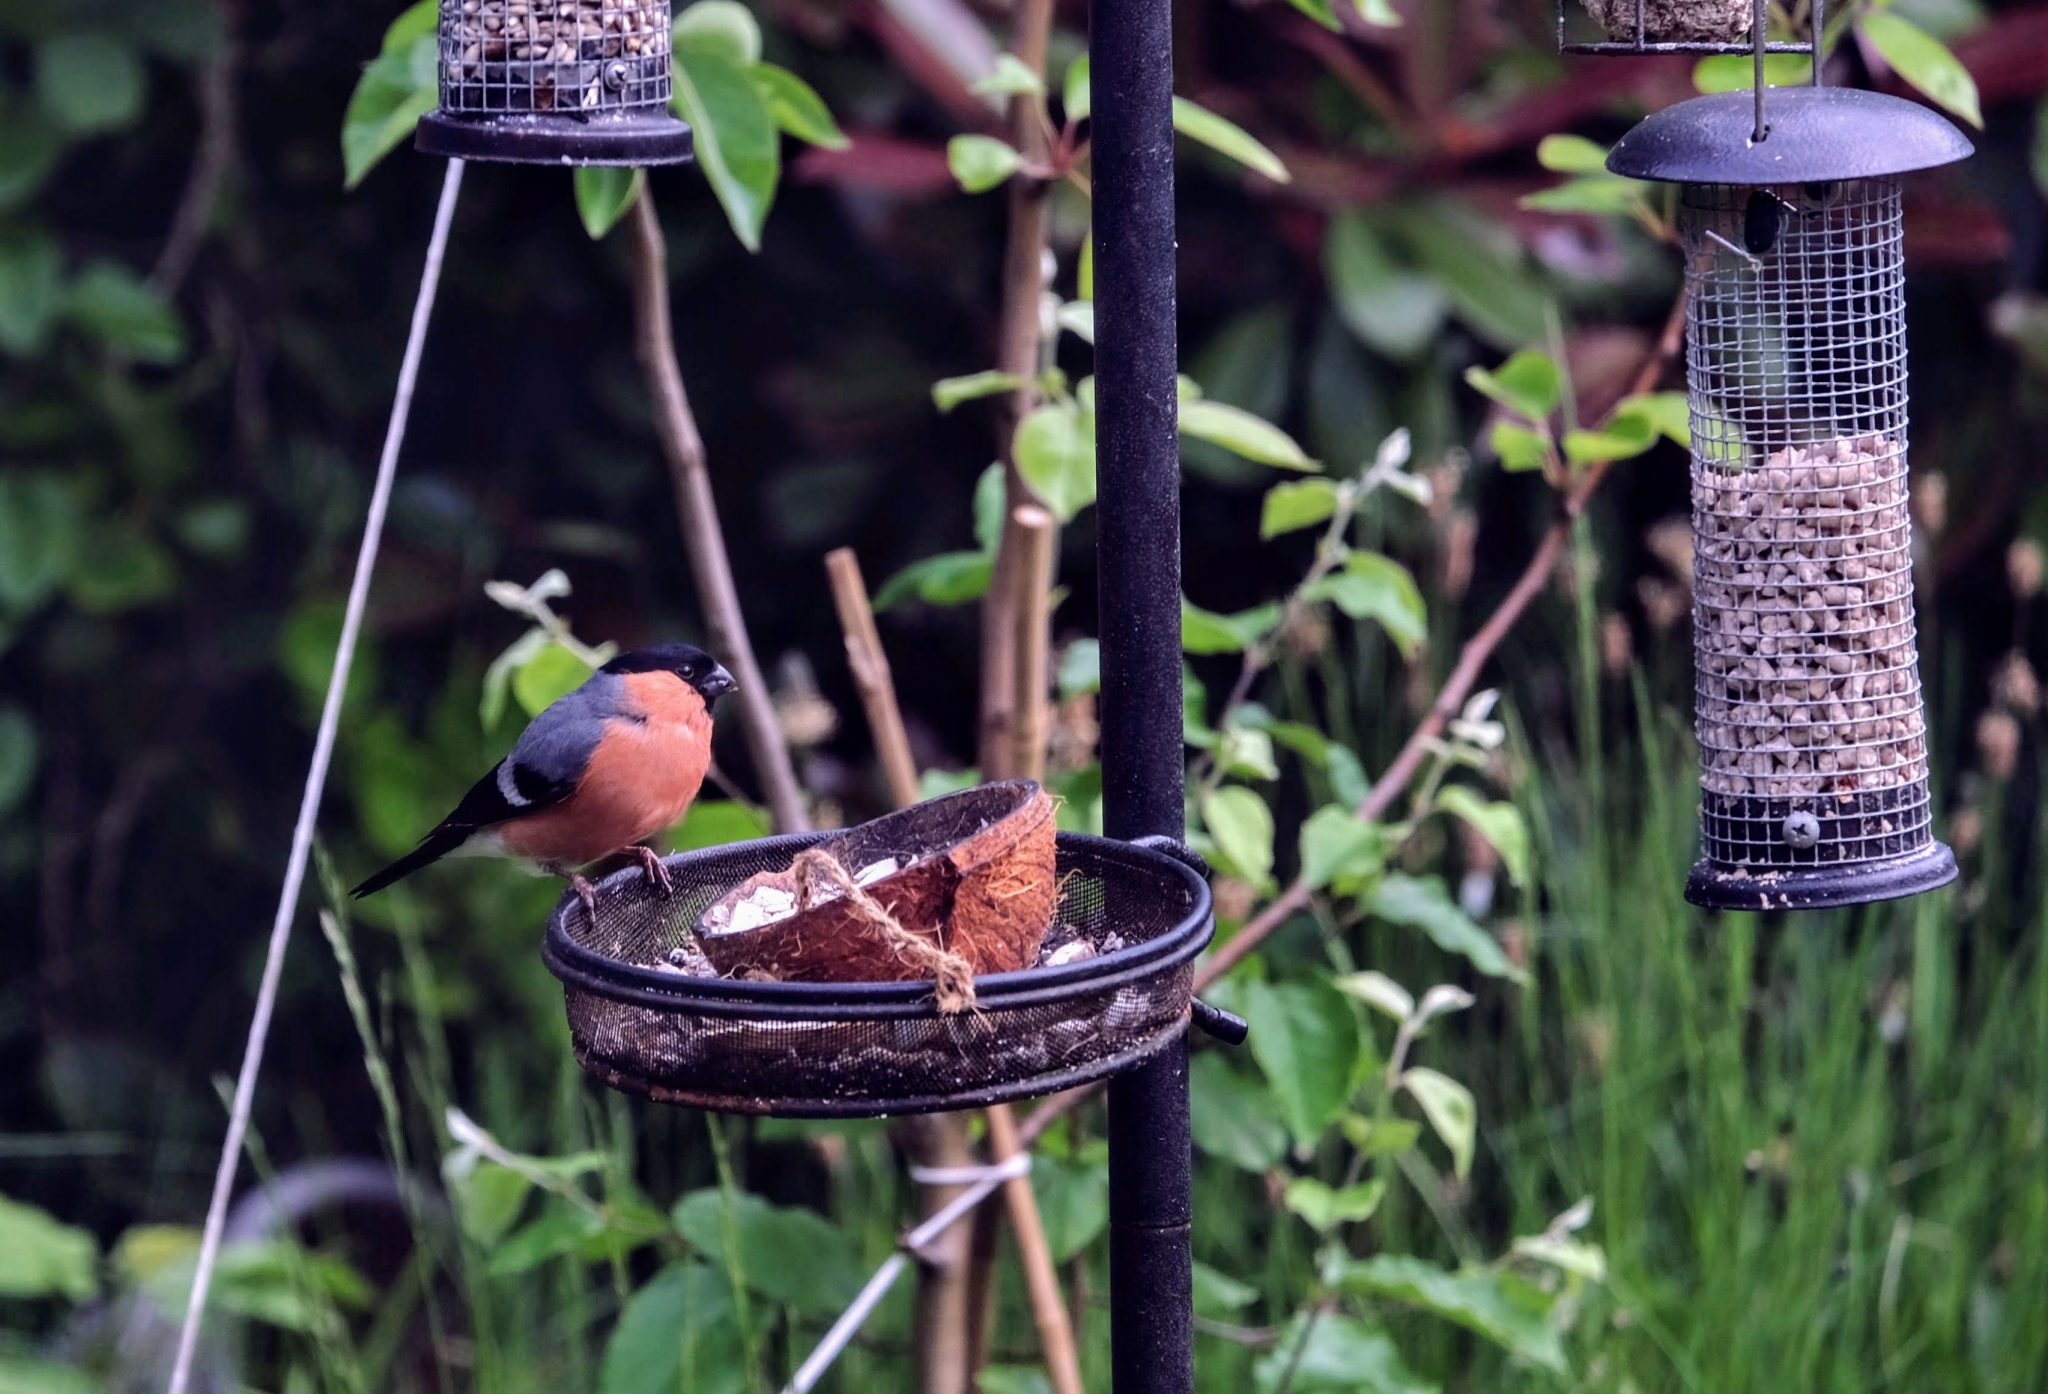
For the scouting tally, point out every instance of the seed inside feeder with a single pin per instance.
(1673, 21)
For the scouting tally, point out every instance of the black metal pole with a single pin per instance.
(1138, 563)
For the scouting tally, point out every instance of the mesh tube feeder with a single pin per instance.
(1812, 732)
(558, 82)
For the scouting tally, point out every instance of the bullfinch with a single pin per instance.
(609, 765)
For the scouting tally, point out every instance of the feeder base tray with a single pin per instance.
(643, 1025)
(1818, 888)
(647, 136)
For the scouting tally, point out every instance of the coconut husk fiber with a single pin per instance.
(947, 890)
(1674, 21)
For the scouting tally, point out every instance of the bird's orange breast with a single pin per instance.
(642, 778)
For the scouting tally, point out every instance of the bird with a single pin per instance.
(599, 771)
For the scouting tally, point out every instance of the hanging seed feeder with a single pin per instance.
(733, 994)
(1812, 733)
(568, 82)
(1672, 26)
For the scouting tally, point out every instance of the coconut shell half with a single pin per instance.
(973, 875)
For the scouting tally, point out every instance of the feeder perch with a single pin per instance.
(1812, 733)
(1110, 986)
(559, 82)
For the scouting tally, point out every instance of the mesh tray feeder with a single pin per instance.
(855, 1049)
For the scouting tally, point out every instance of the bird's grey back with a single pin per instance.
(558, 743)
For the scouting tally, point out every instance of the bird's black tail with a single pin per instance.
(436, 845)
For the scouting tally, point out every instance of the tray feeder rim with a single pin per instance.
(641, 985)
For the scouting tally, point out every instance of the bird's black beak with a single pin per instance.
(715, 685)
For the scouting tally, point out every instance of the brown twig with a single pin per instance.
(885, 718)
(870, 666)
(697, 508)
(1019, 349)
(214, 91)
(1037, 531)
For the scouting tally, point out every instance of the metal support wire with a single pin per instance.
(1138, 563)
(316, 783)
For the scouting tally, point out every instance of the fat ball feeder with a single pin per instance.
(556, 82)
(1812, 731)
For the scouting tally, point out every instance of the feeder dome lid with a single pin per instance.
(1816, 134)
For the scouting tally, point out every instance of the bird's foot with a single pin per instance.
(586, 893)
(654, 870)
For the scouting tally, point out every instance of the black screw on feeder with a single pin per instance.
(1812, 732)
(557, 82)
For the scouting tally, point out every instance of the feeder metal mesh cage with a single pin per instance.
(578, 82)
(554, 55)
(642, 1024)
(1812, 734)
(1673, 26)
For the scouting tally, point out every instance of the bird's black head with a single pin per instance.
(688, 662)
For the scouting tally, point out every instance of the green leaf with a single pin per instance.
(1422, 902)
(1242, 826)
(17, 755)
(1073, 1203)
(89, 83)
(1669, 414)
(1320, 12)
(1206, 632)
(1449, 1107)
(948, 393)
(21, 1374)
(1013, 1379)
(396, 89)
(1566, 1255)
(1242, 433)
(1603, 194)
(551, 674)
(1077, 317)
(1498, 1306)
(1499, 823)
(560, 1229)
(1234, 1116)
(1305, 1037)
(488, 1197)
(1326, 1207)
(41, 528)
(1217, 1294)
(791, 1256)
(1379, 992)
(796, 108)
(981, 163)
(1530, 384)
(29, 149)
(123, 311)
(1569, 154)
(1733, 72)
(1055, 452)
(722, 27)
(951, 578)
(214, 527)
(497, 684)
(1481, 269)
(121, 567)
(1074, 98)
(1012, 77)
(1374, 587)
(1336, 843)
(991, 500)
(718, 823)
(31, 290)
(603, 194)
(1297, 504)
(2039, 163)
(1227, 138)
(1923, 60)
(1378, 13)
(1380, 1139)
(1519, 448)
(679, 1332)
(1244, 753)
(1081, 668)
(734, 131)
(1338, 1354)
(42, 1257)
(1388, 305)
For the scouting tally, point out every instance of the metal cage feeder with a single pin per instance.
(1675, 26)
(559, 82)
(1812, 732)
